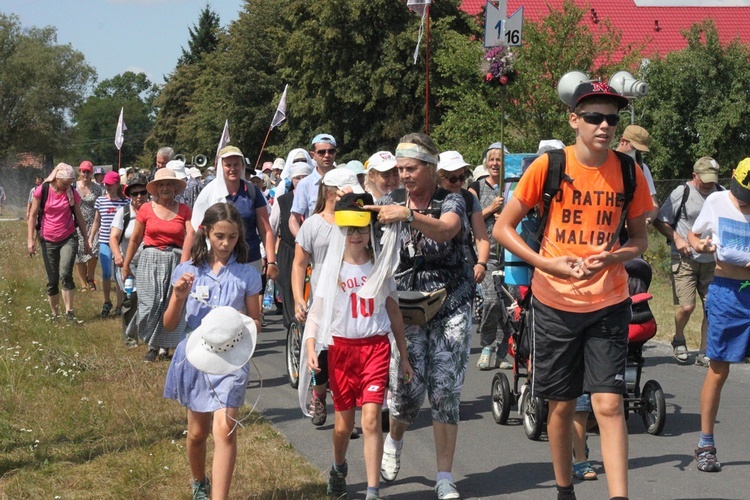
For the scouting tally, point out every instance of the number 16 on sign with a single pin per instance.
(502, 30)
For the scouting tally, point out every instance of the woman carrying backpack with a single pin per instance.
(55, 213)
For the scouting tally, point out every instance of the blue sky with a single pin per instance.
(122, 35)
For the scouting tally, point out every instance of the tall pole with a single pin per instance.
(119, 159)
(262, 148)
(427, 75)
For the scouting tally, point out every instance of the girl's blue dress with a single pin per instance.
(192, 388)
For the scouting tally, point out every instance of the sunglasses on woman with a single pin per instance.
(456, 178)
(594, 118)
(361, 230)
(133, 194)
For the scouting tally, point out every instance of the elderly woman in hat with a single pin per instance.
(55, 213)
(89, 192)
(431, 259)
(120, 235)
(163, 226)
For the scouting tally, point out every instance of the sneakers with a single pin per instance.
(390, 464)
(319, 411)
(202, 489)
(162, 354)
(337, 483)
(679, 350)
(702, 360)
(151, 356)
(446, 490)
(118, 312)
(131, 343)
(70, 316)
(106, 307)
(706, 458)
(484, 359)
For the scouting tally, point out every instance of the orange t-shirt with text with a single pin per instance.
(582, 220)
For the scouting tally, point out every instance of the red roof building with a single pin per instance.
(658, 23)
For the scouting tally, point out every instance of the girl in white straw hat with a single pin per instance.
(216, 294)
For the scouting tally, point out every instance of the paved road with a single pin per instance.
(494, 461)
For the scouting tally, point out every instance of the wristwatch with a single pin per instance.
(410, 217)
(483, 264)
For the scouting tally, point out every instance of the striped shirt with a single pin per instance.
(107, 209)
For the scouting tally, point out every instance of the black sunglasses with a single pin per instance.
(323, 152)
(133, 194)
(456, 178)
(595, 118)
(361, 230)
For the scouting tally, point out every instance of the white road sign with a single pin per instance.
(502, 30)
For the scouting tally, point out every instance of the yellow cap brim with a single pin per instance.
(352, 218)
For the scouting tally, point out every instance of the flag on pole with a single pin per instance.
(119, 136)
(222, 142)
(280, 114)
(420, 7)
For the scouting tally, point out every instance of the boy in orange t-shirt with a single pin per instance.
(581, 308)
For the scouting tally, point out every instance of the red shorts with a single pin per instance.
(358, 370)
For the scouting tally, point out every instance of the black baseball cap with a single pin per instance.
(349, 211)
(587, 90)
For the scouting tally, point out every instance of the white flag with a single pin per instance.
(222, 142)
(420, 7)
(280, 114)
(119, 137)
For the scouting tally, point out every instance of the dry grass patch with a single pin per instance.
(81, 416)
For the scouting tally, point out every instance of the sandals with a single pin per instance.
(584, 472)
(92, 284)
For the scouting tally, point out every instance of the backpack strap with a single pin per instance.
(681, 209)
(627, 166)
(555, 176)
(42, 203)
(125, 222)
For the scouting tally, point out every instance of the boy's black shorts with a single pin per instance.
(573, 352)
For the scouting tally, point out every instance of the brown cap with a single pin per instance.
(707, 169)
(638, 137)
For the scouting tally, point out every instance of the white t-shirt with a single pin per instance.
(729, 229)
(355, 317)
(118, 222)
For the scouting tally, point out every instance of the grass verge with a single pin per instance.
(81, 416)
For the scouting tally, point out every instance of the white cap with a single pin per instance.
(341, 178)
(451, 161)
(382, 161)
(178, 166)
(194, 172)
(549, 144)
(356, 167)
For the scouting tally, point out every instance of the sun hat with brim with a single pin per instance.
(349, 212)
(587, 90)
(342, 178)
(223, 343)
(165, 174)
(450, 161)
(228, 151)
(382, 161)
(707, 169)
(136, 180)
(178, 166)
(194, 172)
(740, 185)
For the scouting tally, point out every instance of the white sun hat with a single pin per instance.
(223, 343)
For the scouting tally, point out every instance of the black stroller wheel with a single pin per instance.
(293, 351)
(653, 407)
(532, 409)
(501, 399)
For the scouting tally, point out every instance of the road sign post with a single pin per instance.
(502, 30)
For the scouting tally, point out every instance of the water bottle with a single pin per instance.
(129, 285)
(268, 297)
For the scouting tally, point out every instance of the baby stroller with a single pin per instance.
(532, 409)
(648, 402)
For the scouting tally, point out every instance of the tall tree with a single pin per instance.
(42, 83)
(698, 104)
(561, 42)
(96, 119)
(204, 37)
